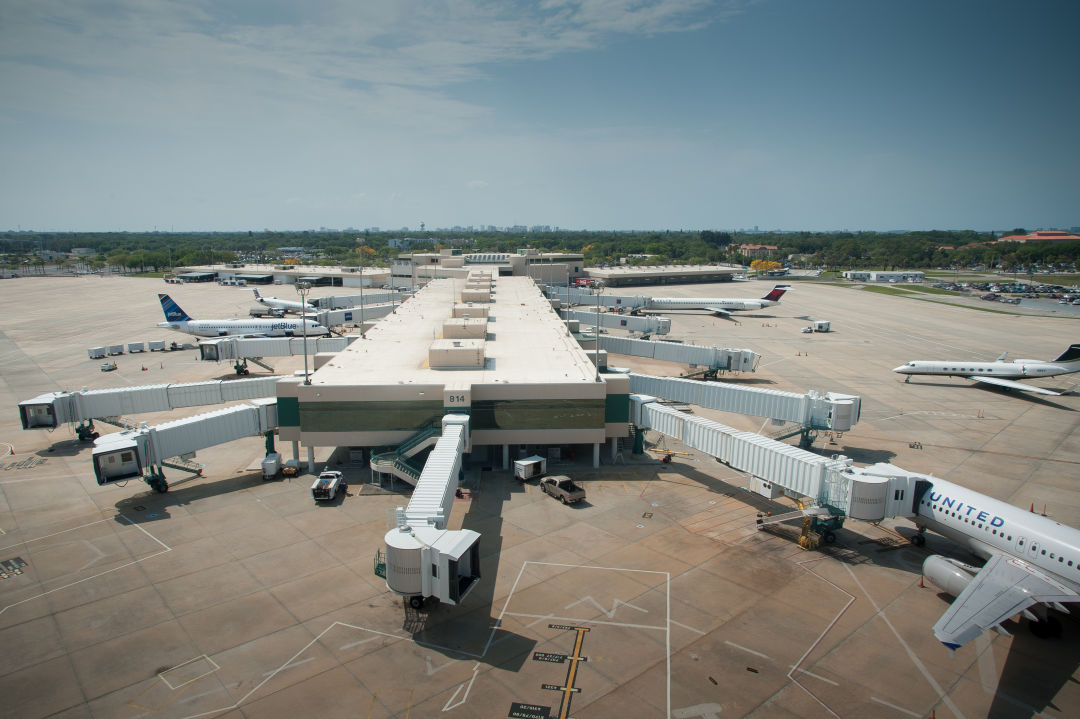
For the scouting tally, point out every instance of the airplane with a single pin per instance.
(718, 305)
(999, 371)
(287, 305)
(177, 319)
(1033, 562)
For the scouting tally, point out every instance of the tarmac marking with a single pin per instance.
(615, 604)
(815, 676)
(95, 576)
(911, 654)
(748, 650)
(350, 645)
(696, 631)
(987, 665)
(893, 706)
(289, 666)
(588, 621)
(467, 686)
(202, 658)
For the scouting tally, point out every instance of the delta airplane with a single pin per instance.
(718, 305)
(177, 319)
(999, 372)
(1033, 562)
(287, 305)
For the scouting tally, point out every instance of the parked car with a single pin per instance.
(562, 488)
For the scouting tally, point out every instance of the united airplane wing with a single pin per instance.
(1003, 587)
(1012, 385)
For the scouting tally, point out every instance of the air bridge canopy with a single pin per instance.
(257, 279)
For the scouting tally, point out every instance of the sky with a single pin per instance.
(579, 114)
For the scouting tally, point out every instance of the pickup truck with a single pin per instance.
(328, 484)
(562, 488)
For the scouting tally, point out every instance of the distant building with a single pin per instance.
(1042, 236)
(756, 250)
(871, 276)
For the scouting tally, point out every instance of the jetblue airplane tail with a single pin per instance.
(1070, 355)
(173, 313)
(777, 293)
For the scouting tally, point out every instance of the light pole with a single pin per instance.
(303, 288)
(598, 288)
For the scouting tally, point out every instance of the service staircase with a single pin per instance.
(403, 462)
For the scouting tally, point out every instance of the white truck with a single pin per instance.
(327, 485)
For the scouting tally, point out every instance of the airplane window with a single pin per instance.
(1061, 559)
(1051, 554)
(1009, 538)
(1021, 542)
(1070, 562)
(1044, 551)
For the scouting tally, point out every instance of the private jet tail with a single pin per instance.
(173, 313)
(1070, 355)
(776, 293)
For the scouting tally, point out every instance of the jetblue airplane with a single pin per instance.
(180, 321)
(287, 305)
(718, 305)
(1033, 562)
(999, 372)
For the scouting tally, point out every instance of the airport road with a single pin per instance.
(233, 597)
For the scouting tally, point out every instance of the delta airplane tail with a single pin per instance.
(173, 312)
(776, 293)
(1070, 355)
(258, 297)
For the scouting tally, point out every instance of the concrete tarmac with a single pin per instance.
(233, 597)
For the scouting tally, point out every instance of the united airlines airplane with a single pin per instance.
(999, 372)
(177, 319)
(1033, 562)
(718, 305)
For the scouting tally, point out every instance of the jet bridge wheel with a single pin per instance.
(416, 602)
(918, 539)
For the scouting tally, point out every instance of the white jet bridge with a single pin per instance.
(651, 325)
(50, 410)
(144, 452)
(812, 411)
(834, 489)
(422, 558)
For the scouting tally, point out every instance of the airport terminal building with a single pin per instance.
(490, 347)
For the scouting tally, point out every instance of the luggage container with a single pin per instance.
(530, 467)
(136, 347)
(96, 352)
(271, 465)
(156, 346)
(115, 349)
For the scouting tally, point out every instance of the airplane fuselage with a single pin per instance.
(988, 526)
(267, 328)
(287, 305)
(1007, 370)
(705, 303)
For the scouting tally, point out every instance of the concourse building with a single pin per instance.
(486, 346)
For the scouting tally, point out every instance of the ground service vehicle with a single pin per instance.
(327, 486)
(562, 488)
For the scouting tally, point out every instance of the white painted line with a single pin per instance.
(289, 666)
(893, 706)
(539, 619)
(615, 604)
(54, 534)
(815, 676)
(587, 566)
(95, 576)
(350, 645)
(748, 650)
(189, 681)
(696, 631)
(581, 620)
(911, 654)
(467, 686)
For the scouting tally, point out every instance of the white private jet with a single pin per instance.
(287, 305)
(999, 372)
(1033, 562)
(718, 305)
(177, 319)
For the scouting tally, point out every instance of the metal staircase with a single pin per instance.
(401, 462)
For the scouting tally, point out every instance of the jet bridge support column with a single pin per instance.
(506, 456)
(596, 455)
(311, 460)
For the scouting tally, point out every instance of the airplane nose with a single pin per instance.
(902, 369)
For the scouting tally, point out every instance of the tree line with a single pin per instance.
(832, 250)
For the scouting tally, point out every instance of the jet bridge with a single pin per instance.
(238, 348)
(367, 313)
(374, 297)
(142, 453)
(836, 490)
(708, 359)
(580, 296)
(649, 325)
(811, 411)
(422, 558)
(52, 409)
